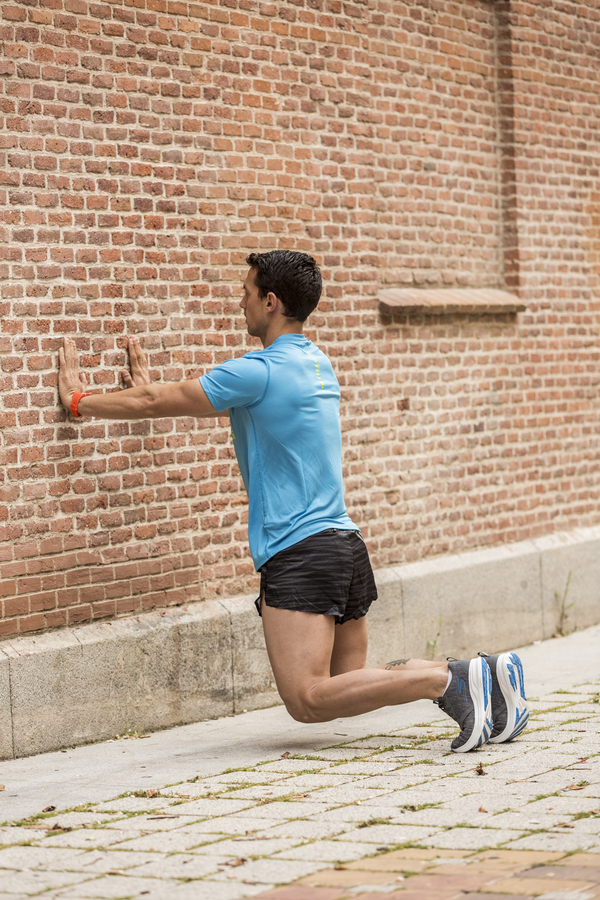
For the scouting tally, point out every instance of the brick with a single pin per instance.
(148, 151)
(294, 892)
(536, 886)
(580, 859)
(561, 871)
(344, 878)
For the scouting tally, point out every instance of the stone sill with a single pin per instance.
(448, 300)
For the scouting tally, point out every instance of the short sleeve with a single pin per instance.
(237, 382)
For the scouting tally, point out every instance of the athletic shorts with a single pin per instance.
(327, 573)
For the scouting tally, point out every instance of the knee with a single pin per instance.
(303, 708)
(299, 713)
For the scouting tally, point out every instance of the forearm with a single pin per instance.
(134, 403)
(150, 401)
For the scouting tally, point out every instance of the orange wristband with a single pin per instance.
(75, 403)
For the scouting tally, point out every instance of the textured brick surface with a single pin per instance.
(146, 147)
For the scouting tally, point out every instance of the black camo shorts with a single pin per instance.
(328, 573)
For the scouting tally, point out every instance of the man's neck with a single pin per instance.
(279, 328)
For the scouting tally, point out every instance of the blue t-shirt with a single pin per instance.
(283, 406)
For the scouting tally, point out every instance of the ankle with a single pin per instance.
(439, 681)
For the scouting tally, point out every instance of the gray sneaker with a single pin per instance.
(509, 704)
(467, 700)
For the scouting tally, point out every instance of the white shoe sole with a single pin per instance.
(509, 672)
(480, 686)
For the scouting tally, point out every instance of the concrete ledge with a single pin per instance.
(89, 683)
(448, 300)
(181, 665)
(458, 605)
(253, 682)
(571, 558)
(6, 735)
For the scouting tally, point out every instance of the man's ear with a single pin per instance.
(271, 301)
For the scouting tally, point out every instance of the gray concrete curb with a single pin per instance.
(181, 665)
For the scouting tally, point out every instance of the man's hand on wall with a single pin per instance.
(138, 363)
(144, 400)
(70, 379)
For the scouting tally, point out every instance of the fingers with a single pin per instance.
(69, 373)
(69, 357)
(71, 352)
(136, 354)
(138, 362)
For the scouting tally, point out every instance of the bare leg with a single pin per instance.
(396, 664)
(350, 651)
(349, 647)
(313, 677)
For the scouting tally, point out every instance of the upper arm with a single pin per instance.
(240, 382)
(184, 398)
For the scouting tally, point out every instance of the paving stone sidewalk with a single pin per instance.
(389, 814)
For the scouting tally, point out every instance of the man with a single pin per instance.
(316, 579)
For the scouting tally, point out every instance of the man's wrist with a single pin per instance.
(76, 397)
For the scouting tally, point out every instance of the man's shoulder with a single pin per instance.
(291, 345)
(237, 382)
(250, 358)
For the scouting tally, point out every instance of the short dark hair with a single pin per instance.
(292, 276)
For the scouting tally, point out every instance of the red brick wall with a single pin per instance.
(146, 147)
